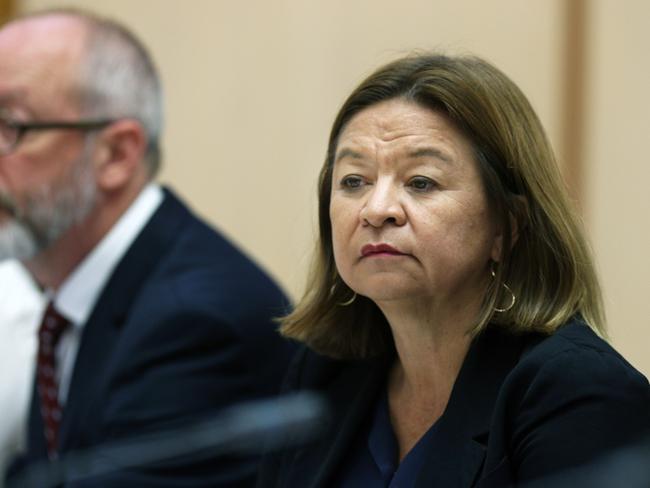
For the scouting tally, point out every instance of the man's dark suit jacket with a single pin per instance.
(182, 328)
(522, 407)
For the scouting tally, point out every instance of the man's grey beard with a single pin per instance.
(48, 213)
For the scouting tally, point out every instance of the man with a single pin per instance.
(167, 320)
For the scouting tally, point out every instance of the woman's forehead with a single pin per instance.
(402, 127)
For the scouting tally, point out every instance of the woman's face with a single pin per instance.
(410, 219)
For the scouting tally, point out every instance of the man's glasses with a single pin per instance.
(12, 132)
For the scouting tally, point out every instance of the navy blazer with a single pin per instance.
(182, 328)
(522, 407)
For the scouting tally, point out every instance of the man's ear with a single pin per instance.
(120, 150)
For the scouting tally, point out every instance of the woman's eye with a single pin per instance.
(422, 184)
(351, 182)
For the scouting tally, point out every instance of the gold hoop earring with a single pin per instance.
(345, 303)
(348, 302)
(513, 298)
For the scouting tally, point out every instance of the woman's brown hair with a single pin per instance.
(548, 268)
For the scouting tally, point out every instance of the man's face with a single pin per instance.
(47, 182)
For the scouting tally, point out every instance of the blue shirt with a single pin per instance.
(372, 461)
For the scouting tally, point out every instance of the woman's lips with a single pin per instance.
(379, 250)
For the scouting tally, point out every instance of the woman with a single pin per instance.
(453, 314)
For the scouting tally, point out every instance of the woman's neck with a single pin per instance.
(431, 343)
(428, 362)
(430, 349)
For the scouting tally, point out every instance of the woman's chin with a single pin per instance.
(387, 294)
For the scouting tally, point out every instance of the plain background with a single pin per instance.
(252, 88)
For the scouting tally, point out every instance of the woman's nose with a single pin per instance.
(383, 206)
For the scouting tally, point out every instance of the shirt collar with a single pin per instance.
(77, 295)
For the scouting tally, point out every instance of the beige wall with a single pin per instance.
(618, 168)
(252, 88)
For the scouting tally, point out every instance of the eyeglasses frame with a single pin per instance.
(22, 128)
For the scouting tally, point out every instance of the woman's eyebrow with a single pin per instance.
(348, 153)
(421, 152)
(430, 152)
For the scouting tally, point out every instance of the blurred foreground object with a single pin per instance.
(245, 429)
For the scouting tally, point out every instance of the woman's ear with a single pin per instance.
(519, 219)
(497, 247)
(120, 151)
(520, 211)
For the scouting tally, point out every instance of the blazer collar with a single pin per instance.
(460, 440)
(352, 395)
(459, 447)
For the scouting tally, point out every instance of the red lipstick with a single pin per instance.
(374, 249)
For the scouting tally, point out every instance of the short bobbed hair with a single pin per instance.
(548, 267)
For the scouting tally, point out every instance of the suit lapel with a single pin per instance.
(459, 446)
(102, 330)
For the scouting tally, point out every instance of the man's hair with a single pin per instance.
(117, 77)
(549, 268)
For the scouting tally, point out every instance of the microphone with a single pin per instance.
(246, 429)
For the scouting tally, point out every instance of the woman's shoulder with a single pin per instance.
(570, 398)
(576, 352)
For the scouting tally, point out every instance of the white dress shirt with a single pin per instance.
(21, 307)
(78, 294)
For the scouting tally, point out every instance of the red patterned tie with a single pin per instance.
(49, 334)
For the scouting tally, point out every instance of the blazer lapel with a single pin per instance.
(459, 443)
(352, 394)
(102, 330)
(459, 446)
